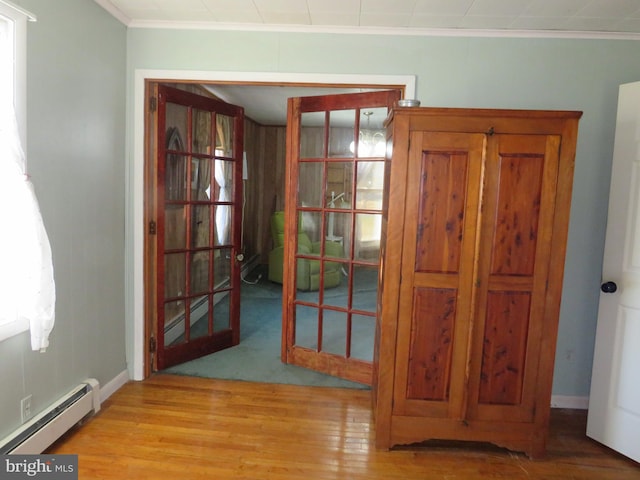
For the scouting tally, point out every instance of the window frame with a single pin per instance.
(18, 17)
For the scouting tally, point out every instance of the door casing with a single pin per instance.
(136, 325)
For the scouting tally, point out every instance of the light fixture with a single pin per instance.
(371, 142)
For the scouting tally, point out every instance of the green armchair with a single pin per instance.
(308, 270)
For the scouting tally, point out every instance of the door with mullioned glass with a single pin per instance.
(335, 174)
(197, 225)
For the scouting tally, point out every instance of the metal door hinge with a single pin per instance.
(153, 103)
(152, 345)
(153, 227)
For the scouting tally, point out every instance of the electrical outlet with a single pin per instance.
(25, 408)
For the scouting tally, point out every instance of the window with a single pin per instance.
(27, 289)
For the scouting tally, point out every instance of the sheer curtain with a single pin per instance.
(223, 174)
(27, 288)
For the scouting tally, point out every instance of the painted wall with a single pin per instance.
(568, 74)
(75, 153)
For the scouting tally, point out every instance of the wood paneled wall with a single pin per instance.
(264, 189)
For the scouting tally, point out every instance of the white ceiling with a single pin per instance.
(587, 16)
(267, 104)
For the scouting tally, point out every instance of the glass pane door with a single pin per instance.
(199, 162)
(335, 189)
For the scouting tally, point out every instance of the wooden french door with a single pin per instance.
(195, 227)
(335, 173)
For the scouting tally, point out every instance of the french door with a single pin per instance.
(334, 192)
(195, 229)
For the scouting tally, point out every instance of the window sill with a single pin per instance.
(13, 328)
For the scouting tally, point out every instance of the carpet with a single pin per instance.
(257, 357)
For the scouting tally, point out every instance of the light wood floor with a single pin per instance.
(192, 428)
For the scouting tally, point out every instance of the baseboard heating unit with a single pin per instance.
(34, 436)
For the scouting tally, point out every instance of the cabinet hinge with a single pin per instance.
(153, 227)
(153, 103)
(152, 345)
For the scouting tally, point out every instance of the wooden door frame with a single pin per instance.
(137, 318)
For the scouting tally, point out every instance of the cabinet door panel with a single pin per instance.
(514, 253)
(437, 273)
(432, 324)
(504, 349)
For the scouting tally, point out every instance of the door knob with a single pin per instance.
(609, 287)
(240, 257)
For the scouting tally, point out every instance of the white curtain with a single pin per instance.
(223, 212)
(27, 288)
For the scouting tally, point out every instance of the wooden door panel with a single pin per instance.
(441, 212)
(431, 348)
(436, 294)
(504, 349)
(515, 249)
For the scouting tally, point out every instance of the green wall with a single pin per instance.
(76, 72)
(526, 73)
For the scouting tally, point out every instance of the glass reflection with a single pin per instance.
(199, 272)
(201, 179)
(341, 129)
(367, 236)
(201, 220)
(339, 180)
(310, 184)
(338, 231)
(334, 328)
(306, 334)
(224, 135)
(362, 335)
(175, 178)
(174, 275)
(221, 268)
(365, 288)
(199, 317)
(201, 134)
(223, 225)
(221, 311)
(174, 324)
(369, 185)
(175, 227)
(371, 138)
(312, 135)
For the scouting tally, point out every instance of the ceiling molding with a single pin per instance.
(111, 8)
(397, 31)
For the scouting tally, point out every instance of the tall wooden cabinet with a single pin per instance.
(474, 233)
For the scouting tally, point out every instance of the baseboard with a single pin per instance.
(566, 401)
(249, 265)
(113, 385)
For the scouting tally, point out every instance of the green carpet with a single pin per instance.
(257, 357)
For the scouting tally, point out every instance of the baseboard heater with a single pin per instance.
(34, 436)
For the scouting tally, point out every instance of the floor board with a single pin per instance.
(178, 427)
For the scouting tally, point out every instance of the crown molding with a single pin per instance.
(30, 16)
(396, 31)
(111, 8)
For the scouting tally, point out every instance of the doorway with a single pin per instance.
(137, 346)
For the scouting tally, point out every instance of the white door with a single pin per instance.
(614, 403)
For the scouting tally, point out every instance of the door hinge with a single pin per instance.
(152, 345)
(153, 103)
(153, 227)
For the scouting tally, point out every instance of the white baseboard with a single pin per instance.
(566, 401)
(113, 385)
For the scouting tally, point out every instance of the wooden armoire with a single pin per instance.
(474, 237)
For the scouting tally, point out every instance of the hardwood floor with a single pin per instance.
(178, 427)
